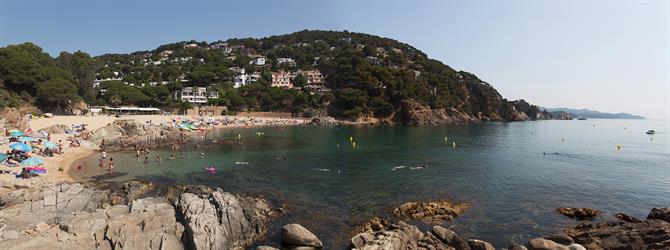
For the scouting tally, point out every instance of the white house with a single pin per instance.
(287, 61)
(196, 95)
(258, 61)
(244, 79)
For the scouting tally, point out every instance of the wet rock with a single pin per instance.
(627, 218)
(622, 234)
(134, 189)
(375, 224)
(434, 212)
(560, 238)
(297, 235)
(480, 245)
(450, 238)
(584, 213)
(660, 214)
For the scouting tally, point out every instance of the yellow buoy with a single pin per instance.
(353, 144)
(454, 144)
(351, 139)
(239, 136)
(445, 139)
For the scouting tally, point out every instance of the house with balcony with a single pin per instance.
(195, 95)
(282, 79)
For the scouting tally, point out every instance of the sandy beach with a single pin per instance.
(58, 166)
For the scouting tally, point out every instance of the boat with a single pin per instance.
(651, 132)
(581, 119)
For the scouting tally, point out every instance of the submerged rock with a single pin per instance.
(562, 239)
(434, 212)
(296, 235)
(584, 213)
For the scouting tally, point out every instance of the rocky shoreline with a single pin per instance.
(40, 214)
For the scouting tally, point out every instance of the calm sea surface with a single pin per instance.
(514, 174)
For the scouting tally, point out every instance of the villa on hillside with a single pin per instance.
(243, 79)
(282, 79)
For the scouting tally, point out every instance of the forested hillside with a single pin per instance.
(365, 76)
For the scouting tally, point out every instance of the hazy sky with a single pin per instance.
(610, 56)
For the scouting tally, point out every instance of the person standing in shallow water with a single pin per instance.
(158, 158)
(146, 160)
(111, 165)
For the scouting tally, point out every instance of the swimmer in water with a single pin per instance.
(171, 157)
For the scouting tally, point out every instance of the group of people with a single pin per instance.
(103, 158)
(14, 157)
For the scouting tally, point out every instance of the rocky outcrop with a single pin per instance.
(36, 214)
(324, 121)
(401, 235)
(584, 213)
(128, 134)
(660, 214)
(220, 220)
(295, 235)
(434, 212)
(56, 129)
(413, 113)
(652, 233)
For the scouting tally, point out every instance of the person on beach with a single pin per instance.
(111, 165)
(104, 155)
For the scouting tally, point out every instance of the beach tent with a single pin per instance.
(32, 161)
(21, 147)
(25, 139)
(49, 144)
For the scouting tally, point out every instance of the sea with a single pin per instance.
(333, 179)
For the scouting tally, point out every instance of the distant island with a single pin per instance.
(593, 114)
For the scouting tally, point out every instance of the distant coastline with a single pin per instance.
(593, 114)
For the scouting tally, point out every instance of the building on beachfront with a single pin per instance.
(195, 95)
(282, 79)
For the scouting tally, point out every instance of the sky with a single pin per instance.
(611, 56)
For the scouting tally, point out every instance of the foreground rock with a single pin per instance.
(37, 214)
(295, 235)
(652, 233)
(584, 213)
(434, 212)
(401, 235)
(218, 219)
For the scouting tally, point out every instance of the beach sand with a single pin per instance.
(71, 155)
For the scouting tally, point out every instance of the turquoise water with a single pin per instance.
(514, 174)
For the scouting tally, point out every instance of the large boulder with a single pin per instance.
(480, 245)
(450, 238)
(221, 220)
(544, 244)
(296, 235)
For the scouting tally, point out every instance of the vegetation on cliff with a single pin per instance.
(369, 76)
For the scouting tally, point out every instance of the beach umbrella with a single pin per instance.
(3, 157)
(40, 134)
(49, 144)
(32, 161)
(25, 139)
(21, 147)
(15, 133)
